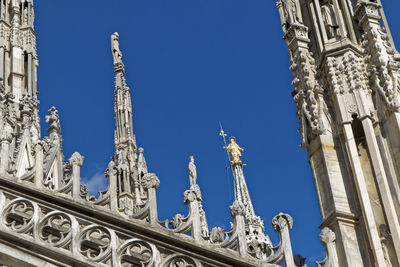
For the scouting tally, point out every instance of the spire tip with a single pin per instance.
(116, 52)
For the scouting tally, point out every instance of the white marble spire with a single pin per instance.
(19, 119)
(258, 244)
(129, 188)
(124, 136)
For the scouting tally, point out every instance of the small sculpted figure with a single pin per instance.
(204, 224)
(25, 16)
(192, 172)
(290, 11)
(121, 157)
(217, 235)
(117, 54)
(3, 10)
(329, 18)
(53, 119)
(234, 150)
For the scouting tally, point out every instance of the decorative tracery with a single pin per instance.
(18, 215)
(56, 229)
(95, 243)
(137, 252)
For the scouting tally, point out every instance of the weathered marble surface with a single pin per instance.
(48, 218)
(346, 73)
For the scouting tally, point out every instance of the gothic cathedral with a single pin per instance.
(346, 89)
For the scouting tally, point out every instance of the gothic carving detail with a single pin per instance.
(328, 239)
(238, 209)
(150, 180)
(53, 120)
(307, 92)
(138, 253)
(282, 221)
(217, 235)
(383, 68)
(56, 229)
(178, 221)
(329, 18)
(18, 215)
(88, 240)
(192, 194)
(95, 243)
(290, 13)
(181, 261)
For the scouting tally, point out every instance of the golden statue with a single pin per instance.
(234, 151)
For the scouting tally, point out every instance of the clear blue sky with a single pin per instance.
(189, 64)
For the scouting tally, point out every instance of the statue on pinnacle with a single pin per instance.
(234, 151)
(116, 52)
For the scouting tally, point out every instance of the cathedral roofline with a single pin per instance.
(46, 206)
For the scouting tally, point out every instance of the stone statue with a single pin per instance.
(329, 18)
(234, 151)
(3, 10)
(291, 11)
(117, 54)
(192, 172)
(25, 16)
(121, 157)
(53, 119)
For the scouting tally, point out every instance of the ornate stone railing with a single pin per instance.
(81, 238)
(81, 233)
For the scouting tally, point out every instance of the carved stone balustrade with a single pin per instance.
(96, 237)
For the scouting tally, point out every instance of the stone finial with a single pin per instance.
(142, 165)
(192, 194)
(327, 236)
(76, 159)
(238, 208)
(150, 180)
(281, 221)
(111, 169)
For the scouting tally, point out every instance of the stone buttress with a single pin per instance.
(346, 91)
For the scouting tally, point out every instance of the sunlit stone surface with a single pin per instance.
(346, 90)
(48, 218)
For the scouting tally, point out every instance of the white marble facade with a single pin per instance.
(346, 82)
(346, 89)
(48, 218)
